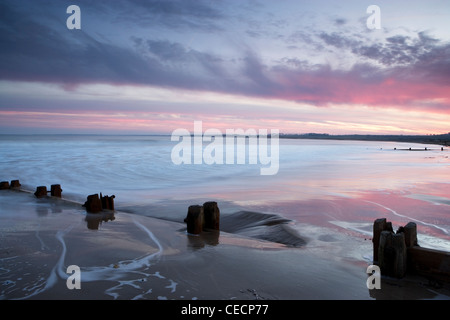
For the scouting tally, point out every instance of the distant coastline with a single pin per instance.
(440, 139)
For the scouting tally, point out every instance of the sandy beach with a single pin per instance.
(138, 257)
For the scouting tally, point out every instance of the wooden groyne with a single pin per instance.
(93, 204)
(13, 185)
(398, 253)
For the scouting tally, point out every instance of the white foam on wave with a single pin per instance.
(359, 227)
(172, 286)
(431, 242)
(436, 200)
(57, 269)
(410, 218)
(123, 273)
(43, 245)
(425, 240)
(123, 269)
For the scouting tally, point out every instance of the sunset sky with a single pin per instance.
(154, 66)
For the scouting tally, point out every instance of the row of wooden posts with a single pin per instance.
(6, 185)
(41, 191)
(94, 203)
(203, 217)
(199, 217)
(55, 191)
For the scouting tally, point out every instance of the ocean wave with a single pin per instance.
(263, 226)
(257, 225)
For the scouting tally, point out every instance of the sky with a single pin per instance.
(150, 67)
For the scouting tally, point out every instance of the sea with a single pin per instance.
(321, 187)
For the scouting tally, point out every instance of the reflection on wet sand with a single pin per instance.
(46, 208)
(95, 219)
(198, 241)
(409, 288)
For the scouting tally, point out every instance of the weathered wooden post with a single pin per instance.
(15, 184)
(195, 219)
(400, 261)
(41, 191)
(93, 204)
(111, 202)
(4, 185)
(55, 190)
(410, 231)
(379, 226)
(392, 257)
(107, 202)
(212, 215)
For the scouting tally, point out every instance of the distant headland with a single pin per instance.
(440, 139)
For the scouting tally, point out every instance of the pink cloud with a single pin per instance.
(327, 88)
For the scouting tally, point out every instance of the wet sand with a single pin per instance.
(138, 257)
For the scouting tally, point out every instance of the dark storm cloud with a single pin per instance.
(340, 21)
(339, 40)
(181, 9)
(34, 50)
(198, 15)
(50, 57)
(398, 50)
(417, 57)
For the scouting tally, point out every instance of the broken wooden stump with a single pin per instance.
(410, 231)
(93, 204)
(15, 184)
(41, 191)
(4, 185)
(107, 202)
(55, 190)
(392, 254)
(194, 219)
(399, 253)
(211, 215)
(379, 226)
